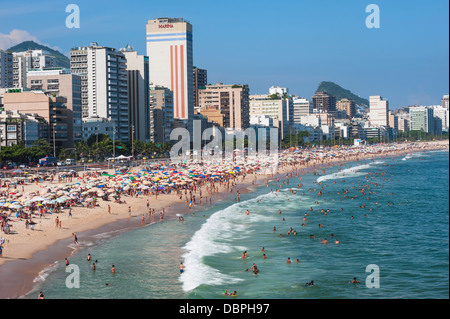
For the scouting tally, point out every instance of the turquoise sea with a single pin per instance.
(400, 224)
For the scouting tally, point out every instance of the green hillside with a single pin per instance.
(60, 60)
(340, 93)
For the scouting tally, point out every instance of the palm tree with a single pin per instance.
(82, 148)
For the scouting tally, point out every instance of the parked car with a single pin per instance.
(70, 161)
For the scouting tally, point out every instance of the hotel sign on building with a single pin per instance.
(167, 25)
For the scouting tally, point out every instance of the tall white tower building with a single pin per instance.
(169, 48)
(104, 85)
(378, 111)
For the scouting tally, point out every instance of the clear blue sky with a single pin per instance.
(290, 43)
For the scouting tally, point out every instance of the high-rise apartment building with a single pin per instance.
(445, 101)
(200, 81)
(104, 85)
(273, 106)
(169, 48)
(393, 125)
(378, 111)
(442, 113)
(29, 60)
(52, 109)
(58, 82)
(324, 102)
(6, 69)
(348, 106)
(225, 104)
(161, 101)
(301, 107)
(403, 124)
(393, 121)
(138, 95)
(421, 119)
(283, 93)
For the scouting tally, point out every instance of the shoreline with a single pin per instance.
(17, 273)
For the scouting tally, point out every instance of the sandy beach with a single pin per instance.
(27, 251)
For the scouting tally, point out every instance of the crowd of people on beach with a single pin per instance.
(193, 183)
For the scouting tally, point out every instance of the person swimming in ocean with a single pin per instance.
(255, 269)
(311, 283)
(232, 294)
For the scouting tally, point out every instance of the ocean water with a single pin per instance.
(392, 213)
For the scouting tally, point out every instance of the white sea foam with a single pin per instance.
(210, 239)
(439, 151)
(43, 274)
(216, 236)
(348, 172)
(421, 154)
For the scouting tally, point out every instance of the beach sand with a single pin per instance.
(27, 252)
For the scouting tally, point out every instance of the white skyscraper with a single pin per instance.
(104, 85)
(301, 107)
(443, 114)
(378, 111)
(27, 60)
(169, 48)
